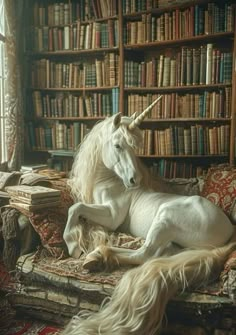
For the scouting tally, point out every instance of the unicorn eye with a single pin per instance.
(117, 146)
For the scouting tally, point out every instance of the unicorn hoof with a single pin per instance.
(93, 263)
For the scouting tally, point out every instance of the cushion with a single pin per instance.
(182, 186)
(220, 188)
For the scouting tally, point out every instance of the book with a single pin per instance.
(37, 201)
(209, 59)
(32, 192)
(33, 167)
(30, 207)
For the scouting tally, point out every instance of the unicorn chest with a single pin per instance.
(117, 196)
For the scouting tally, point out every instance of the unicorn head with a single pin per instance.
(118, 150)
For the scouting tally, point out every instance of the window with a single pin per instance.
(3, 151)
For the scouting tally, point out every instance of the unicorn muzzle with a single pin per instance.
(132, 182)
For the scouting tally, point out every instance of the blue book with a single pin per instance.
(115, 100)
(201, 102)
(76, 134)
(117, 93)
(221, 68)
(48, 137)
(31, 133)
(196, 20)
(201, 150)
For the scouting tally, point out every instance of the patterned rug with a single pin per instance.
(25, 327)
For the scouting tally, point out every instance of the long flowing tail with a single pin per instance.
(138, 303)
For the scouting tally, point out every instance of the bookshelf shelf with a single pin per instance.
(86, 118)
(182, 156)
(188, 40)
(182, 88)
(127, 56)
(70, 53)
(188, 120)
(68, 89)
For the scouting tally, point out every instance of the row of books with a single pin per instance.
(216, 104)
(134, 6)
(98, 72)
(70, 105)
(189, 66)
(92, 35)
(60, 13)
(193, 21)
(177, 169)
(192, 140)
(175, 140)
(56, 136)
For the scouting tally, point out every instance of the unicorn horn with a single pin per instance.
(135, 123)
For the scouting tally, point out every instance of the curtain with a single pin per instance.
(13, 86)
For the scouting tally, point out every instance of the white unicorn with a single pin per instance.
(112, 190)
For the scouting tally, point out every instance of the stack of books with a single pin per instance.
(33, 198)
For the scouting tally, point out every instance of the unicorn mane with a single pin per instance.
(88, 156)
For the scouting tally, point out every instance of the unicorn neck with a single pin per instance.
(106, 176)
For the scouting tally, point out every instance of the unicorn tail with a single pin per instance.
(138, 303)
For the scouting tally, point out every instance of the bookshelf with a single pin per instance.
(90, 59)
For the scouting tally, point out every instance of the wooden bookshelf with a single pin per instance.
(89, 62)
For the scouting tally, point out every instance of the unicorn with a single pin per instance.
(186, 238)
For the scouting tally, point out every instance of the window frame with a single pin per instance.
(3, 145)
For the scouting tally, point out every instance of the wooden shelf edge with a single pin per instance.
(181, 41)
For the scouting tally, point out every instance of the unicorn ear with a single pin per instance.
(116, 121)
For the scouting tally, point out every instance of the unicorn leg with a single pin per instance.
(105, 216)
(104, 257)
(157, 243)
(159, 239)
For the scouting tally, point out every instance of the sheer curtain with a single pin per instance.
(13, 85)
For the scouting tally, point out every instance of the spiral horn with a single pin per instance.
(136, 122)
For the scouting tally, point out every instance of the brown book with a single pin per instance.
(148, 28)
(32, 192)
(160, 70)
(166, 72)
(111, 36)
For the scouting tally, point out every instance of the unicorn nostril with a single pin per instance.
(132, 181)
